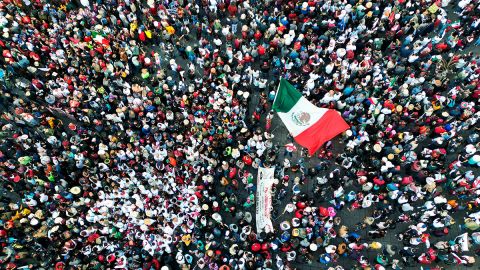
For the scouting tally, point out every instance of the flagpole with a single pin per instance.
(276, 94)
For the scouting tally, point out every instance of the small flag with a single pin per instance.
(373, 100)
(455, 24)
(99, 38)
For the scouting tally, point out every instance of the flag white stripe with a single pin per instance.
(303, 105)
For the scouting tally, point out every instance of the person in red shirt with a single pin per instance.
(442, 47)
(257, 35)
(248, 58)
(261, 50)
(292, 16)
(237, 43)
(232, 9)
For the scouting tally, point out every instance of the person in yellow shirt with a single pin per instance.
(170, 30)
(133, 27)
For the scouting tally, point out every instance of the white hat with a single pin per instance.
(148, 221)
(377, 148)
(217, 217)
(470, 149)
(58, 220)
(33, 221)
(248, 217)
(285, 225)
(290, 207)
(295, 222)
(75, 190)
(430, 180)
(291, 255)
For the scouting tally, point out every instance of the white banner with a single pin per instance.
(264, 199)
(463, 241)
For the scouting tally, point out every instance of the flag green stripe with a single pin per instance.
(287, 96)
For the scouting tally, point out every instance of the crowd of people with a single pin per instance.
(131, 132)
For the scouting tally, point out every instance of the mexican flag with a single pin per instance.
(310, 126)
(99, 38)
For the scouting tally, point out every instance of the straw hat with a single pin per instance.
(75, 190)
(377, 148)
(54, 229)
(369, 220)
(210, 253)
(148, 221)
(39, 214)
(149, 213)
(390, 156)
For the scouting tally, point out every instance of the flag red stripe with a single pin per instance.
(329, 126)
